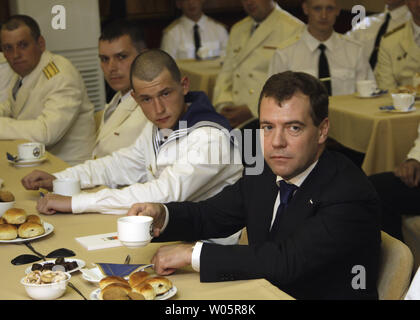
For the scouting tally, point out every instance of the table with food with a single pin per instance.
(42, 258)
(371, 125)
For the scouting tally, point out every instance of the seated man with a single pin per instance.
(372, 28)
(398, 57)
(172, 160)
(122, 119)
(336, 60)
(399, 191)
(311, 216)
(6, 75)
(194, 35)
(248, 54)
(47, 101)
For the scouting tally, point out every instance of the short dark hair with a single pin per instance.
(282, 86)
(18, 20)
(150, 63)
(118, 28)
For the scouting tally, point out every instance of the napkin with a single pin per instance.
(122, 270)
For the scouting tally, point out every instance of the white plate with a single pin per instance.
(80, 264)
(94, 295)
(28, 163)
(48, 229)
(95, 274)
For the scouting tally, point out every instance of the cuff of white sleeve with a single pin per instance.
(166, 219)
(195, 258)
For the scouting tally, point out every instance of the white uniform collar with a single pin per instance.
(397, 13)
(298, 180)
(190, 23)
(314, 43)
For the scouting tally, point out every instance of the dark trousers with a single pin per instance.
(397, 199)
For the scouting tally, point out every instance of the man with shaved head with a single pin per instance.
(173, 158)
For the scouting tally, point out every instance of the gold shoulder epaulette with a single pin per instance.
(394, 30)
(50, 70)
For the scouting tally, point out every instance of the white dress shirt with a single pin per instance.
(297, 181)
(178, 38)
(367, 30)
(346, 61)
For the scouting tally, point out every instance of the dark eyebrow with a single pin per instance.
(295, 122)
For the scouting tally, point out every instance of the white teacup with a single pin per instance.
(366, 88)
(31, 151)
(135, 231)
(66, 187)
(403, 101)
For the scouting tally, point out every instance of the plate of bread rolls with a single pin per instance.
(17, 226)
(140, 286)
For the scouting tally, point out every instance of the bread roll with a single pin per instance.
(2, 221)
(6, 196)
(33, 218)
(30, 229)
(110, 280)
(137, 277)
(115, 291)
(15, 216)
(146, 290)
(8, 232)
(160, 284)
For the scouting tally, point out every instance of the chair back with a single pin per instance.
(395, 268)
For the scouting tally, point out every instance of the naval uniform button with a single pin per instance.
(251, 91)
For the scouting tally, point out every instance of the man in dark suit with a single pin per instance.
(323, 243)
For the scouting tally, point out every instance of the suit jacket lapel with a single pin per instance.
(306, 198)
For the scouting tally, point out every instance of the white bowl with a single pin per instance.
(49, 291)
(4, 206)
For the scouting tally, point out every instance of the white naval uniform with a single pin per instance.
(398, 57)
(178, 38)
(346, 60)
(245, 68)
(367, 30)
(122, 127)
(51, 107)
(181, 170)
(6, 75)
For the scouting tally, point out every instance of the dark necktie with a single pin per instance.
(197, 41)
(324, 69)
(286, 193)
(16, 88)
(374, 56)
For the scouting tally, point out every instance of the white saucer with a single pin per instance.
(399, 111)
(28, 163)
